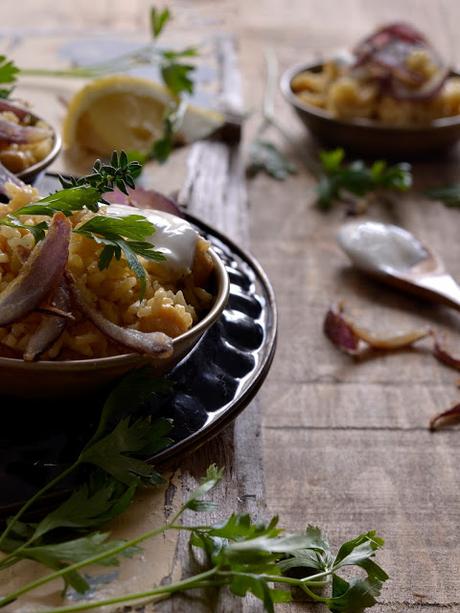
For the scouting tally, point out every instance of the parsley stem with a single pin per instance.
(11, 557)
(143, 55)
(312, 594)
(69, 72)
(283, 579)
(28, 587)
(269, 118)
(195, 582)
(33, 499)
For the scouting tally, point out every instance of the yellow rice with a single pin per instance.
(17, 157)
(172, 303)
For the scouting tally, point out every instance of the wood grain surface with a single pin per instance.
(328, 441)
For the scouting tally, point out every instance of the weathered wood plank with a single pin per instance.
(404, 484)
(215, 192)
(338, 405)
(332, 447)
(345, 444)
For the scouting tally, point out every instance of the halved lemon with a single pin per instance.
(126, 112)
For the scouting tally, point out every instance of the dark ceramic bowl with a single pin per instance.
(367, 137)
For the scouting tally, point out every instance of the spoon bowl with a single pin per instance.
(394, 256)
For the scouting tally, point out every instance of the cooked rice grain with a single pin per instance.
(171, 303)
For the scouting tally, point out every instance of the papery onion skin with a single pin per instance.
(380, 39)
(452, 415)
(144, 199)
(444, 356)
(382, 56)
(346, 334)
(398, 341)
(39, 275)
(51, 326)
(155, 344)
(426, 92)
(20, 111)
(339, 332)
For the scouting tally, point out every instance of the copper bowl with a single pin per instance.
(79, 377)
(367, 137)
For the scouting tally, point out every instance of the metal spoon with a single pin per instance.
(396, 257)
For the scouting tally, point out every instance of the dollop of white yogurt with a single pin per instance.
(174, 237)
(380, 248)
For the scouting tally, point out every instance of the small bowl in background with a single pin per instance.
(367, 137)
(60, 378)
(30, 174)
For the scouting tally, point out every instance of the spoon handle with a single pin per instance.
(440, 288)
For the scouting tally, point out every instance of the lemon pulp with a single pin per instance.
(126, 112)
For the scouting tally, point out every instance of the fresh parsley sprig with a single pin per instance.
(339, 178)
(246, 557)
(68, 201)
(123, 235)
(162, 147)
(177, 76)
(239, 554)
(115, 452)
(448, 194)
(264, 155)
(158, 19)
(86, 192)
(8, 75)
(38, 230)
(175, 69)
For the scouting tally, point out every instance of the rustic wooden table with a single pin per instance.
(327, 441)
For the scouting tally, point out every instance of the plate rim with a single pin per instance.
(202, 436)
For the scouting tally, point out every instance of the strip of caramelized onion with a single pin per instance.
(443, 355)
(20, 111)
(39, 275)
(379, 39)
(383, 57)
(428, 90)
(446, 417)
(346, 334)
(339, 331)
(379, 42)
(11, 132)
(144, 199)
(155, 344)
(388, 343)
(51, 326)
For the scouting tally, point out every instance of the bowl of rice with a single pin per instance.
(391, 95)
(96, 331)
(28, 143)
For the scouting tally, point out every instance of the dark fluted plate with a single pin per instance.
(210, 387)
